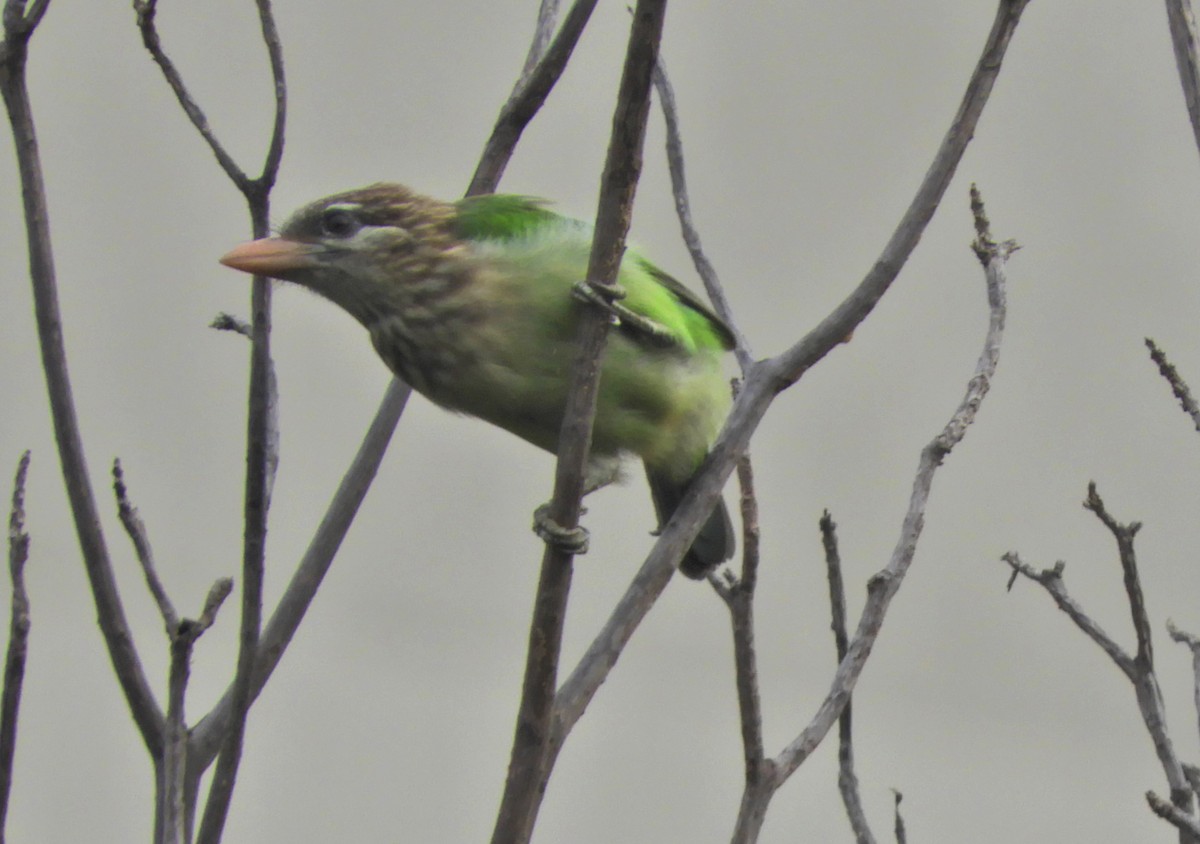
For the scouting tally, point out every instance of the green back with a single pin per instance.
(650, 292)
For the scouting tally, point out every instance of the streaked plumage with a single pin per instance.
(471, 302)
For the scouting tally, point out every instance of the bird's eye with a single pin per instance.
(339, 223)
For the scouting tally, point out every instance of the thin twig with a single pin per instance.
(18, 27)
(136, 528)
(1178, 386)
(531, 760)
(528, 96)
(1051, 580)
(683, 209)
(1124, 535)
(228, 322)
(883, 586)
(1138, 669)
(147, 11)
(847, 778)
(18, 638)
(266, 180)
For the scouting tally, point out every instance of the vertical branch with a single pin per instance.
(173, 815)
(19, 24)
(847, 779)
(18, 638)
(758, 772)
(530, 761)
(176, 807)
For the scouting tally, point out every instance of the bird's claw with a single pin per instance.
(570, 540)
(655, 332)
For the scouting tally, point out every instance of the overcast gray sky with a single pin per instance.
(807, 128)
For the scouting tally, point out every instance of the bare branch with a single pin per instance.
(739, 597)
(270, 34)
(789, 366)
(174, 811)
(1178, 386)
(109, 610)
(298, 596)
(766, 379)
(141, 544)
(1124, 535)
(1140, 668)
(901, 835)
(261, 458)
(18, 637)
(146, 11)
(884, 585)
(543, 31)
(683, 209)
(212, 603)
(1181, 820)
(531, 760)
(1182, 23)
(751, 532)
(19, 22)
(1051, 580)
(262, 454)
(528, 96)
(847, 778)
(228, 322)
(1193, 643)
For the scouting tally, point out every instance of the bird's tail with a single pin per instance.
(713, 545)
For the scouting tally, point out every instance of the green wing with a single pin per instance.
(651, 293)
(702, 324)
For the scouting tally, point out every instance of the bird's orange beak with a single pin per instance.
(273, 256)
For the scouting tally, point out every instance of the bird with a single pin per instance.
(475, 303)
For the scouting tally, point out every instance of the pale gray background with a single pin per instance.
(808, 126)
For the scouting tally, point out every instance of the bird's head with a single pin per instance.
(358, 248)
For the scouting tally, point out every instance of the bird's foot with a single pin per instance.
(655, 332)
(571, 540)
